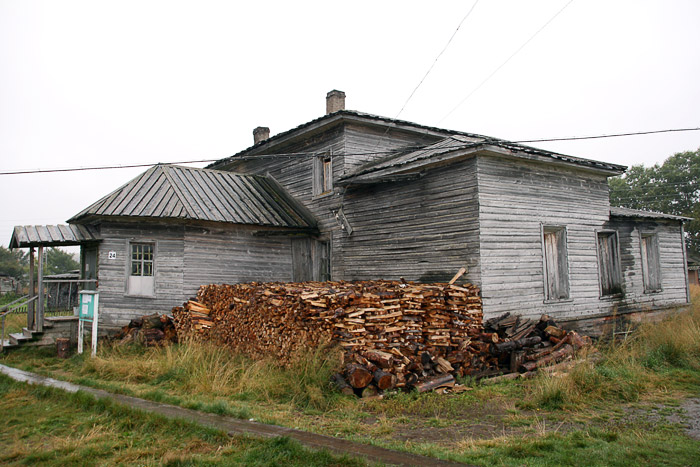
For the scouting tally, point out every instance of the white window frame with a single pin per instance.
(650, 270)
(141, 285)
(614, 269)
(560, 290)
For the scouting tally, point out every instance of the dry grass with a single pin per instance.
(630, 369)
(203, 368)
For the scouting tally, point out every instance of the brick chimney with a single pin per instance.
(261, 133)
(335, 101)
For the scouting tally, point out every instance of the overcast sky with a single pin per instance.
(93, 83)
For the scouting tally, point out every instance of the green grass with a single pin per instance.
(50, 427)
(582, 417)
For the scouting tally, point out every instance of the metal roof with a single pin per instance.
(25, 236)
(625, 212)
(176, 192)
(361, 117)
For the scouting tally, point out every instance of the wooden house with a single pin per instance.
(534, 228)
(355, 196)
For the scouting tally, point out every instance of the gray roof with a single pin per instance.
(625, 212)
(176, 192)
(326, 121)
(25, 236)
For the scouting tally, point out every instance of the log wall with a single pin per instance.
(423, 230)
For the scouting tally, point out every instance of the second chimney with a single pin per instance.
(261, 133)
(335, 101)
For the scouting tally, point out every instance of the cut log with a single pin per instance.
(441, 381)
(358, 376)
(342, 385)
(384, 380)
(564, 352)
(506, 347)
(554, 332)
(383, 359)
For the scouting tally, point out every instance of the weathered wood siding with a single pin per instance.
(672, 265)
(516, 199)
(423, 230)
(185, 258)
(232, 254)
(364, 144)
(117, 307)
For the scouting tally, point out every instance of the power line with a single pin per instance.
(436, 59)
(504, 63)
(636, 133)
(315, 154)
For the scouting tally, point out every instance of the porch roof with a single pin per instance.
(25, 236)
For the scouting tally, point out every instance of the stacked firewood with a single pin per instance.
(148, 330)
(394, 333)
(522, 345)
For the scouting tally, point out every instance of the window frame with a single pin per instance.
(322, 175)
(129, 267)
(648, 289)
(562, 253)
(616, 267)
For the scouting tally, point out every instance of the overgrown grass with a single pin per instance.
(204, 368)
(637, 366)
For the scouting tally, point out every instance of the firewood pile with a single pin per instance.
(521, 345)
(150, 330)
(394, 333)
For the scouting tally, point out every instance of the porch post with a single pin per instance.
(40, 300)
(32, 290)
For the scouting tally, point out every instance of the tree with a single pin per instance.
(12, 262)
(59, 262)
(672, 187)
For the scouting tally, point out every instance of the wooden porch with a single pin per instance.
(50, 301)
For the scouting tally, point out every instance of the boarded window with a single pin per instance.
(141, 267)
(556, 267)
(323, 175)
(609, 264)
(651, 266)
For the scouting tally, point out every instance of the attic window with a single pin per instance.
(322, 175)
(556, 264)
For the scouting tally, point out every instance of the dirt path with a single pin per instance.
(236, 426)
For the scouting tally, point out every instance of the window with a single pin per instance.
(609, 264)
(556, 267)
(651, 267)
(141, 269)
(323, 175)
